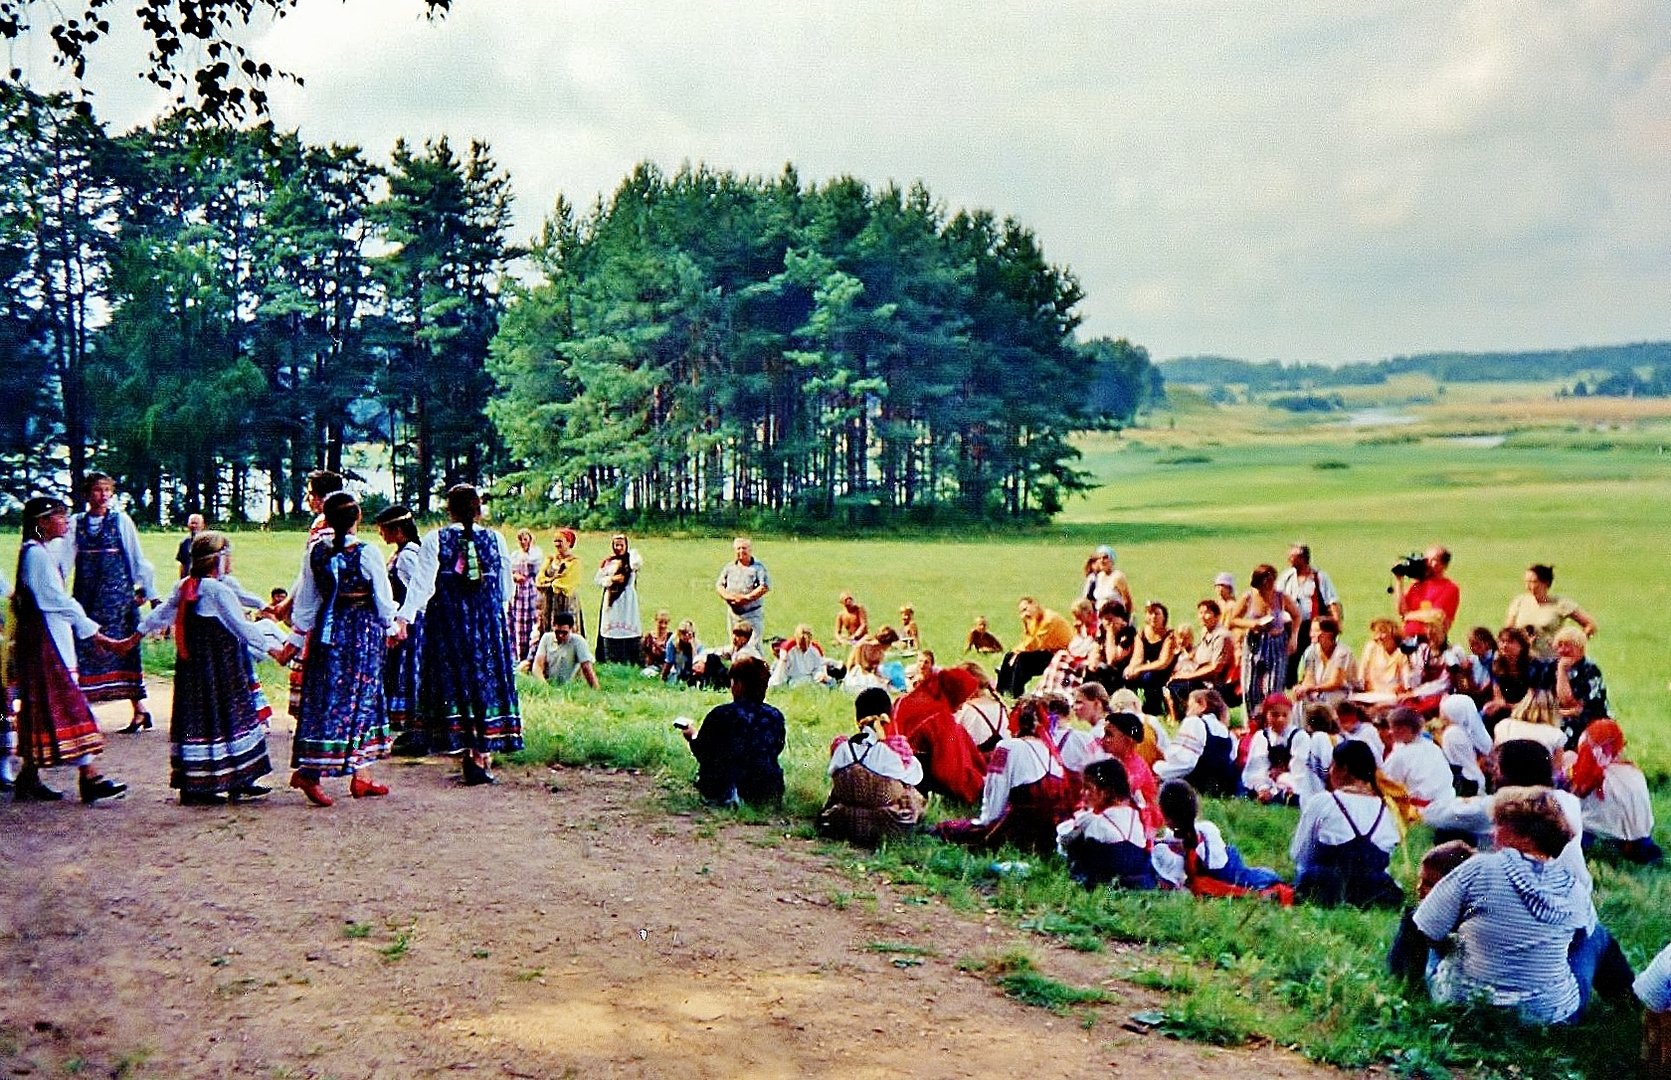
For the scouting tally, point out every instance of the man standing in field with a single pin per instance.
(194, 525)
(1312, 592)
(743, 585)
(1435, 598)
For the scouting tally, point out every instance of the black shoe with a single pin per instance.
(201, 798)
(249, 793)
(142, 722)
(100, 788)
(410, 744)
(476, 776)
(28, 788)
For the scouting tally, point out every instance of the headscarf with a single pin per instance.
(208, 549)
(1602, 744)
(1460, 710)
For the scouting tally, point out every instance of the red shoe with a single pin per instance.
(363, 789)
(309, 786)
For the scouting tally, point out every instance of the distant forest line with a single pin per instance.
(1642, 369)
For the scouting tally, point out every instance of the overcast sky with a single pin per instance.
(1315, 180)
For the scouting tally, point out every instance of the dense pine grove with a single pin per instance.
(205, 311)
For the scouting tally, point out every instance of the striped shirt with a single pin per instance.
(1513, 918)
(1653, 986)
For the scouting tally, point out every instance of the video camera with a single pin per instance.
(1412, 566)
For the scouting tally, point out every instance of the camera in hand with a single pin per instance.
(1412, 566)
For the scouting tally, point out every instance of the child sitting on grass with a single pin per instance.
(1108, 843)
(1412, 956)
(1193, 854)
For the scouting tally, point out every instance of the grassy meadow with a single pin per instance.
(1503, 479)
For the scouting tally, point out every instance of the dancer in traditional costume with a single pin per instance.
(345, 612)
(218, 731)
(403, 669)
(112, 579)
(469, 690)
(55, 726)
(525, 596)
(322, 484)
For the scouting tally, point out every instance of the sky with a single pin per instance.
(1319, 180)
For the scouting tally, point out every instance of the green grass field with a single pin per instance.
(1199, 492)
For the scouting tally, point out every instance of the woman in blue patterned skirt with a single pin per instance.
(1270, 621)
(112, 578)
(469, 691)
(343, 601)
(218, 732)
(403, 671)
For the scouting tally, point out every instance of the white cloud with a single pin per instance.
(1316, 181)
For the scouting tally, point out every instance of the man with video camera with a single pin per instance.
(1425, 594)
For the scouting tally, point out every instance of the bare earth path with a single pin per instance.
(447, 932)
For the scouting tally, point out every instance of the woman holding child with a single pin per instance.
(1270, 623)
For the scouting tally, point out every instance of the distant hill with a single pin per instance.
(1643, 368)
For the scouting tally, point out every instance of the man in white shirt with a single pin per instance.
(562, 654)
(1312, 592)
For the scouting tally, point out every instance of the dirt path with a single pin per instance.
(507, 932)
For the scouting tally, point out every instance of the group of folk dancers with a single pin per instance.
(416, 648)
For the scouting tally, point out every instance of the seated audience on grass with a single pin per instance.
(1541, 615)
(713, 667)
(1043, 633)
(680, 659)
(1202, 753)
(1504, 921)
(1152, 657)
(1311, 773)
(920, 670)
(561, 654)
(738, 744)
(1482, 653)
(1384, 673)
(1152, 747)
(981, 640)
(1118, 738)
(1535, 718)
(1511, 675)
(873, 778)
(1027, 790)
(864, 667)
(926, 718)
(1194, 848)
(1207, 665)
(1653, 990)
(1618, 810)
(1464, 743)
(1575, 681)
(1345, 836)
(801, 662)
(852, 625)
(1116, 638)
(1411, 956)
(1107, 843)
(653, 645)
(1353, 722)
(910, 638)
(1076, 746)
(982, 715)
(1275, 732)
(1437, 668)
(1415, 762)
(1326, 667)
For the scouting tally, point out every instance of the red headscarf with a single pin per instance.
(1602, 743)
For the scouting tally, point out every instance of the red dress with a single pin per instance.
(952, 764)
